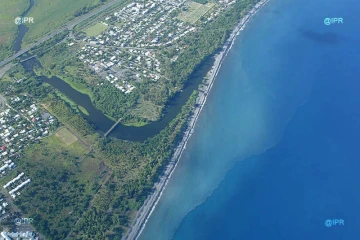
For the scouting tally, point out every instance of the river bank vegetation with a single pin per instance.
(91, 187)
(149, 99)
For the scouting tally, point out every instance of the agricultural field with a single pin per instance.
(195, 11)
(51, 14)
(95, 29)
(9, 10)
(66, 136)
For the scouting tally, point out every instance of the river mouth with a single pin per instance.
(102, 123)
(22, 30)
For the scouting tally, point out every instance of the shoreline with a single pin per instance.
(150, 203)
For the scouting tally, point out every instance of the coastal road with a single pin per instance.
(150, 203)
(70, 25)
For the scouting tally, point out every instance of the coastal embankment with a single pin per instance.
(150, 203)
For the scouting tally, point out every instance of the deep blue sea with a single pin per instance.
(276, 151)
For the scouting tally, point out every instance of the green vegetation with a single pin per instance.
(87, 187)
(135, 168)
(136, 124)
(95, 29)
(111, 101)
(204, 43)
(59, 61)
(83, 110)
(62, 186)
(146, 109)
(66, 116)
(66, 136)
(49, 15)
(70, 102)
(9, 10)
(28, 84)
(6, 78)
(78, 85)
(83, 194)
(195, 11)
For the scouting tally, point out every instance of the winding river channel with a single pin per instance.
(100, 121)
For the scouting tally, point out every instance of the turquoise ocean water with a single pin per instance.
(275, 152)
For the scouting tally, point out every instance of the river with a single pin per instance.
(102, 123)
(22, 30)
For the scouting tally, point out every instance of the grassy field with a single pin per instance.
(66, 136)
(195, 11)
(50, 14)
(135, 124)
(95, 29)
(9, 10)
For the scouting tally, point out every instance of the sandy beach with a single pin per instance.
(150, 203)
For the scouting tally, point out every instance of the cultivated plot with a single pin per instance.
(66, 136)
(195, 11)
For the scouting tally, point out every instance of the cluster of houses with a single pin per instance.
(6, 167)
(145, 26)
(3, 206)
(21, 123)
(17, 235)
(16, 184)
(132, 40)
(124, 86)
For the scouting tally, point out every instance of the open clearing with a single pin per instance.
(66, 136)
(195, 11)
(95, 29)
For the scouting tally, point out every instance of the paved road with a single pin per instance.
(68, 26)
(5, 69)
